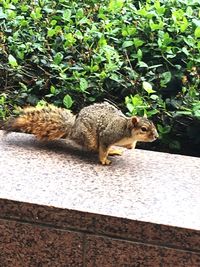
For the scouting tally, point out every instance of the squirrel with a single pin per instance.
(96, 127)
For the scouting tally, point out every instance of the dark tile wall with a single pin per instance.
(33, 245)
(97, 224)
(107, 252)
(24, 245)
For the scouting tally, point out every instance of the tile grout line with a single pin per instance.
(115, 237)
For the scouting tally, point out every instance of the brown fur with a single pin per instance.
(96, 127)
(99, 126)
(47, 123)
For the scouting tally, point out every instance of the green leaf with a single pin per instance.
(164, 129)
(165, 78)
(155, 66)
(189, 11)
(53, 90)
(185, 51)
(130, 107)
(2, 14)
(196, 22)
(139, 54)
(154, 97)
(83, 84)
(183, 112)
(197, 32)
(142, 64)
(160, 9)
(12, 61)
(80, 13)
(128, 31)
(197, 113)
(102, 41)
(78, 35)
(51, 32)
(58, 58)
(156, 26)
(167, 39)
(138, 42)
(24, 87)
(70, 40)
(152, 112)
(127, 44)
(196, 109)
(148, 87)
(67, 101)
(41, 104)
(189, 40)
(115, 5)
(137, 100)
(142, 12)
(84, 20)
(36, 13)
(67, 14)
(53, 22)
(115, 77)
(184, 25)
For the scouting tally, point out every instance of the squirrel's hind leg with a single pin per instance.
(103, 155)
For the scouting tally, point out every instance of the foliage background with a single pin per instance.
(144, 56)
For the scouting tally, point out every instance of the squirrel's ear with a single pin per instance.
(134, 120)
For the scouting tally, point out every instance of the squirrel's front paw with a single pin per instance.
(105, 161)
(115, 152)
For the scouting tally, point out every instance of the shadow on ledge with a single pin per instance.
(61, 147)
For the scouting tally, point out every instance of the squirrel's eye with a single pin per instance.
(144, 129)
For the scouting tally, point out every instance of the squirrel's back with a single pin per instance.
(47, 123)
(92, 120)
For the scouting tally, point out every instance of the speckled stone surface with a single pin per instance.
(145, 203)
(140, 185)
(27, 245)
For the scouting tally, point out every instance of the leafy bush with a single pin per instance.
(75, 53)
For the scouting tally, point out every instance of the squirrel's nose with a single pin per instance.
(156, 135)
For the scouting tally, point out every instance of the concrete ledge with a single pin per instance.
(57, 204)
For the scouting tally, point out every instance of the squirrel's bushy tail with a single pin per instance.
(46, 123)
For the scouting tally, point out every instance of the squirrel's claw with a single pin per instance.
(105, 162)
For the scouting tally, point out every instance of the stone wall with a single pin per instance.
(59, 207)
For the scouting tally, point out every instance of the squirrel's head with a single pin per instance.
(143, 129)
